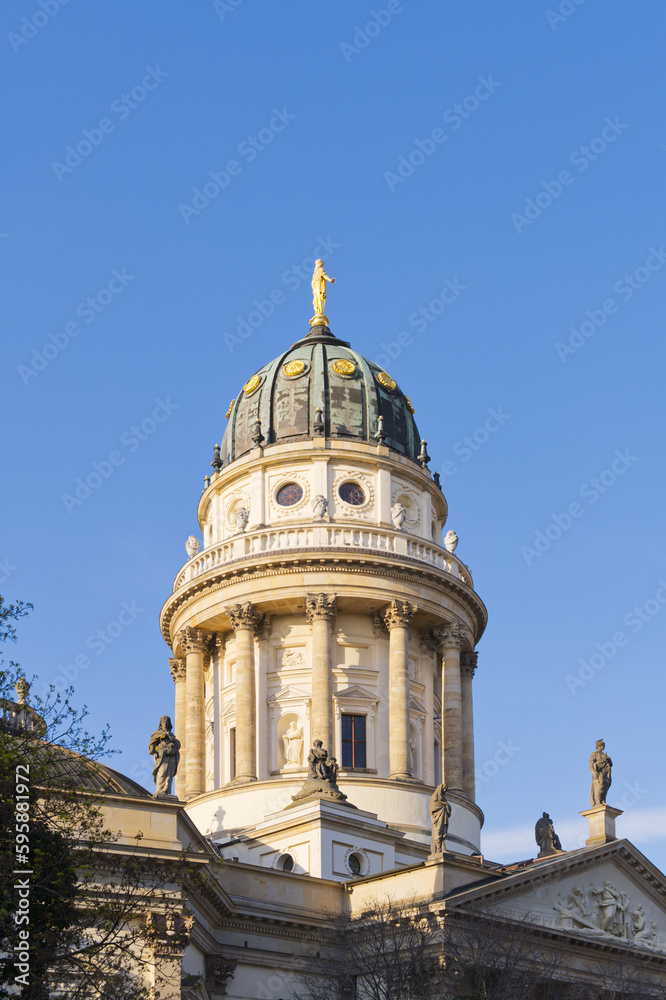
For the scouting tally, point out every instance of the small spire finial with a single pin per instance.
(319, 279)
(380, 434)
(424, 457)
(319, 426)
(217, 461)
(257, 436)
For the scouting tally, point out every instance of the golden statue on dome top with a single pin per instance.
(319, 279)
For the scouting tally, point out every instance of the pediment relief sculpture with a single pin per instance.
(606, 911)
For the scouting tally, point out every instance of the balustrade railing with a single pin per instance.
(321, 536)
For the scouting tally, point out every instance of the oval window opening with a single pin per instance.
(354, 863)
(289, 495)
(352, 494)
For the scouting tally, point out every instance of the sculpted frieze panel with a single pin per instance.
(606, 911)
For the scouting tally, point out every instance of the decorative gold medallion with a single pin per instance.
(343, 366)
(409, 404)
(293, 368)
(252, 384)
(386, 381)
(231, 406)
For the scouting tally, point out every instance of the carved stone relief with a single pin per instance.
(606, 911)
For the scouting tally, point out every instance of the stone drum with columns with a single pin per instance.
(322, 606)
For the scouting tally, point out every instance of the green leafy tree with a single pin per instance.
(92, 900)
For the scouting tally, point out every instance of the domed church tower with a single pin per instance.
(323, 606)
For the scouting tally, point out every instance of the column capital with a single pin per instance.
(379, 629)
(454, 635)
(194, 640)
(468, 663)
(399, 614)
(319, 606)
(430, 642)
(177, 669)
(262, 629)
(244, 615)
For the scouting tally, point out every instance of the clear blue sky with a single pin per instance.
(540, 199)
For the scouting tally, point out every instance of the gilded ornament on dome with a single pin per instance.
(231, 406)
(252, 384)
(409, 404)
(386, 381)
(293, 368)
(343, 366)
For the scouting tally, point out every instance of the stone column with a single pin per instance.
(467, 668)
(321, 612)
(194, 644)
(177, 670)
(398, 617)
(263, 631)
(244, 619)
(452, 639)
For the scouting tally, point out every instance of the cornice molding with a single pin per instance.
(221, 578)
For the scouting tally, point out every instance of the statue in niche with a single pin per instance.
(192, 546)
(545, 836)
(440, 813)
(398, 515)
(450, 541)
(322, 776)
(292, 742)
(241, 517)
(319, 507)
(600, 766)
(165, 748)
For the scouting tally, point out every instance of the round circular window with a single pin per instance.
(352, 494)
(289, 495)
(286, 863)
(354, 864)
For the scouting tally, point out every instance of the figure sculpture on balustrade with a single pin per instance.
(600, 766)
(165, 748)
(322, 776)
(440, 813)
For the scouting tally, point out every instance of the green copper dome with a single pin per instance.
(320, 388)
